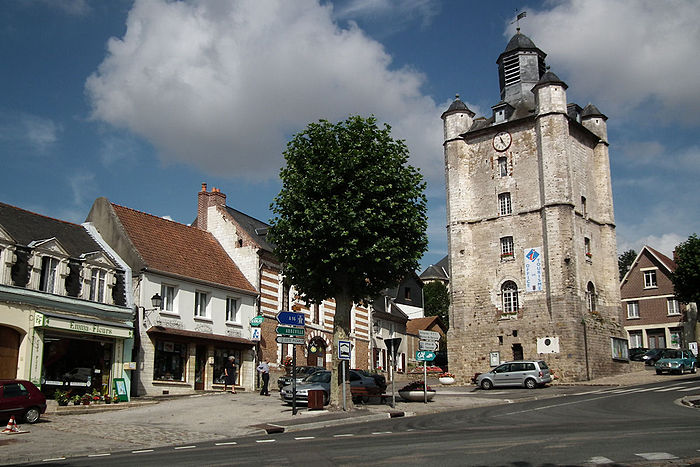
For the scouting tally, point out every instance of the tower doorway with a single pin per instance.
(517, 352)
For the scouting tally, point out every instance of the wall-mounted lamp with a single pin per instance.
(156, 302)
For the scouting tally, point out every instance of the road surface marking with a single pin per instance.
(656, 456)
(227, 443)
(689, 389)
(382, 432)
(343, 435)
(185, 447)
(305, 437)
(674, 388)
(265, 440)
(99, 455)
(54, 459)
(141, 451)
(599, 460)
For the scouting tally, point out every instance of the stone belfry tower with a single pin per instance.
(531, 230)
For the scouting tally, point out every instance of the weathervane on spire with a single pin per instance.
(518, 18)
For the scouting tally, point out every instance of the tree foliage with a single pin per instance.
(350, 219)
(624, 262)
(437, 301)
(686, 277)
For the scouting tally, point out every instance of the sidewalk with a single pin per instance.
(156, 422)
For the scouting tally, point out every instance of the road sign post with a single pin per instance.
(425, 356)
(428, 345)
(428, 335)
(290, 331)
(290, 318)
(290, 340)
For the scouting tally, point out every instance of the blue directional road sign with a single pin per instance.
(290, 318)
(425, 356)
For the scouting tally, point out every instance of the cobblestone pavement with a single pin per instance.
(212, 416)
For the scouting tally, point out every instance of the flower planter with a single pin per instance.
(86, 401)
(416, 396)
(446, 380)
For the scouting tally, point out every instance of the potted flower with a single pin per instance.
(86, 399)
(106, 397)
(77, 399)
(287, 362)
(446, 378)
(115, 399)
(61, 397)
(414, 392)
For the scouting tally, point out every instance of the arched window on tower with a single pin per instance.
(590, 297)
(509, 296)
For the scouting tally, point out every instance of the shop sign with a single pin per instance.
(77, 326)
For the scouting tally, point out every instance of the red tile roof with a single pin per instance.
(176, 248)
(417, 324)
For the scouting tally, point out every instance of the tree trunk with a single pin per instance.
(341, 331)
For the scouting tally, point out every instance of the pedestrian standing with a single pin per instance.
(230, 374)
(264, 370)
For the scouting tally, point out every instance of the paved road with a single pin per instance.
(216, 416)
(639, 425)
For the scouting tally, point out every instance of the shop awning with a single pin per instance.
(202, 336)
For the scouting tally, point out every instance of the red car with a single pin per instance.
(21, 399)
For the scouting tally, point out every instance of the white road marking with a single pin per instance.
(690, 389)
(227, 443)
(305, 437)
(382, 432)
(343, 435)
(99, 455)
(673, 388)
(54, 459)
(656, 456)
(265, 440)
(185, 447)
(141, 451)
(599, 460)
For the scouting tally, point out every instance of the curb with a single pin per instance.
(329, 423)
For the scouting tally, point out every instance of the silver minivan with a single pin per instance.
(528, 373)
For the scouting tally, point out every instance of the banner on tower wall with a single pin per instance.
(533, 269)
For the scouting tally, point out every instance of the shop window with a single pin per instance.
(169, 361)
(49, 269)
(232, 310)
(97, 285)
(167, 292)
(220, 358)
(635, 340)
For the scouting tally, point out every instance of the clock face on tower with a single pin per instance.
(502, 141)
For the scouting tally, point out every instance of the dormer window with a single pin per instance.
(98, 282)
(49, 271)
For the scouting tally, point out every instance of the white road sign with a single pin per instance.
(428, 335)
(428, 345)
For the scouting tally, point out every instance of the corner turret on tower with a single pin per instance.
(457, 119)
(594, 120)
(550, 94)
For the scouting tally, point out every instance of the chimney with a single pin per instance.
(205, 200)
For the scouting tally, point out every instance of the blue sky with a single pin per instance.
(142, 101)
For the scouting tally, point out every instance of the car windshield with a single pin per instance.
(543, 365)
(671, 354)
(319, 377)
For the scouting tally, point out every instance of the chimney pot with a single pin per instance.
(204, 187)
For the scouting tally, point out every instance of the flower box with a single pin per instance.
(416, 396)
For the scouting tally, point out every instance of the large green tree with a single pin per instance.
(686, 277)
(624, 262)
(350, 219)
(437, 301)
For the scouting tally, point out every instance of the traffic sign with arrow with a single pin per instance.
(290, 340)
(428, 335)
(428, 345)
(290, 318)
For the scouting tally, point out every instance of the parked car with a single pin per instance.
(676, 360)
(653, 355)
(21, 399)
(379, 379)
(302, 372)
(637, 353)
(527, 373)
(361, 387)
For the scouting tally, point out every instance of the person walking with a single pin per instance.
(264, 370)
(230, 374)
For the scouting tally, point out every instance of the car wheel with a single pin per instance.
(693, 369)
(658, 372)
(486, 384)
(32, 415)
(530, 383)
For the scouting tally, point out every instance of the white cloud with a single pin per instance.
(222, 86)
(626, 55)
(401, 12)
(39, 133)
(82, 186)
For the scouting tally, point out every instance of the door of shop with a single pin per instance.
(317, 353)
(657, 339)
(9, 350)
(76, 362)
(200, 365)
